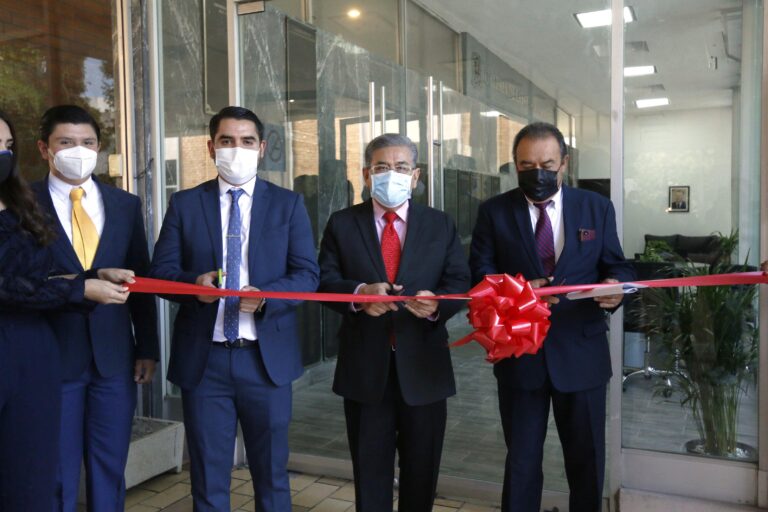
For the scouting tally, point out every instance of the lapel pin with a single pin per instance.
(586, 235)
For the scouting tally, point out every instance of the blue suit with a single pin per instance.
(574, 365)
(98, 352)
(220, 385)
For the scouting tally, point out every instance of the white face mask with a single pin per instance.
(237, 165)
(75, 163)
(391, 188)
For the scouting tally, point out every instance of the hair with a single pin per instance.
(240, 113)
(540, 131)
(66, 114)
(387, 140)
(19, 198)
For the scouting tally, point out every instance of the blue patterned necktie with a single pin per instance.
(234, 253)
(545, 240)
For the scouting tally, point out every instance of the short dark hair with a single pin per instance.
(235, 113)
(386, 140)
(66, 114)
(540, 130)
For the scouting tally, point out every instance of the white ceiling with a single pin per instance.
(542, 40)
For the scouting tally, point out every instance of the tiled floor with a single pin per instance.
(170, 493)
(474, 444)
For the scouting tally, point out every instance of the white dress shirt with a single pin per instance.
(555, 212)
(92, 203)
(247, 323)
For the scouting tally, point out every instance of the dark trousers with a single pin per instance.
(96, 416)
(235, 386)
(580, 420)
(30, 401)
(375, 431)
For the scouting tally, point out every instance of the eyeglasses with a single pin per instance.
(382, 168)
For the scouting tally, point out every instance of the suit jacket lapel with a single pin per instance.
(62, 243)
(212, 213)
(522, 217)
(365, 224)
(259, 210)
(412, 237)
(111, 222)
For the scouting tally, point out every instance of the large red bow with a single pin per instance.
(509, 319)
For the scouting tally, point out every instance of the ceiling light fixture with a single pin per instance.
(652, 102)
(639, 70)
(602, 18)
(353, 13)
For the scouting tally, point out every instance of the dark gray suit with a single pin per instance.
(394, 398)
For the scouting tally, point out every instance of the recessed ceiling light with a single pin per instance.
(639, 70)
(491, 113)
(652, 102)
(353, 13)
(602, 18)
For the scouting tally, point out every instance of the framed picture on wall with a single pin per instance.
(679, 199)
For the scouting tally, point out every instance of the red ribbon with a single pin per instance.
(160, 286)
(509, 317)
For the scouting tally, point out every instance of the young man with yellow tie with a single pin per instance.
(107, 352)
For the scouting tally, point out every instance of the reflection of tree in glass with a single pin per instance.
(22, 74)
(30, 83)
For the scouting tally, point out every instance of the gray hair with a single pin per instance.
(387, 140)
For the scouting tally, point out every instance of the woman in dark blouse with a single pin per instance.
(29, 359)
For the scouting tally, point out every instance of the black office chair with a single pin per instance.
(636, 320)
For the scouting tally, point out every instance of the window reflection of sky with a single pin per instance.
(96, 82)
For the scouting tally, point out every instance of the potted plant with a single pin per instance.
(710, 336)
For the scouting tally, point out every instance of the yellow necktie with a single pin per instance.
(85, 238)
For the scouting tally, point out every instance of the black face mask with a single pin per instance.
(6, 165)
(538, 184)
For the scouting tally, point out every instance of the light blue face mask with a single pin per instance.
(391, 188)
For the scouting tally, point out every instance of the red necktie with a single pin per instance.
(390, 247)
(545, 241)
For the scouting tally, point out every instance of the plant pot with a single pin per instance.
(744, 452)
(157, 446)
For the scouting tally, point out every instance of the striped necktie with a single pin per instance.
(545, 240)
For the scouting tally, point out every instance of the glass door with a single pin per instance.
(692, 85)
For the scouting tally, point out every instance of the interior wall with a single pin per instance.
(676, 148)
(593, 140)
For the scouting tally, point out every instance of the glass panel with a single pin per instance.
(432, 47)
(193, 49)
(508, 79)
(370, 24)
(691, 178)
(263, 82)
(45, 64)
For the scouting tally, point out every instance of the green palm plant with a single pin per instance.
(710, 336)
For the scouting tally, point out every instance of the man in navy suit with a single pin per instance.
(107, 352)
(234, 359)
(394, 366)
(551, 233)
